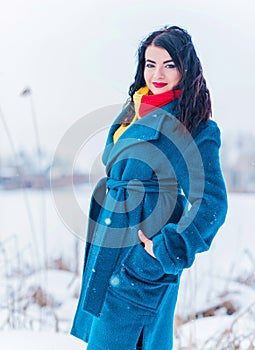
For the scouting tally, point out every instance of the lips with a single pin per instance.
(159, 85)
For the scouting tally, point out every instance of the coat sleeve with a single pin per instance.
(202, 183)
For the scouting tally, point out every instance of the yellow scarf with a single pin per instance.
(137, 97)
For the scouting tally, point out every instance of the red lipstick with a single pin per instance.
(159, 85)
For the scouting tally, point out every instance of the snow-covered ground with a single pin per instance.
(28, 340)
(230, 308)
(37, 306)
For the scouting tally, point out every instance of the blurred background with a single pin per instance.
(61, 60)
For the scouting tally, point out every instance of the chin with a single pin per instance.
(158, 91)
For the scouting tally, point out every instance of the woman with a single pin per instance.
(162, 201)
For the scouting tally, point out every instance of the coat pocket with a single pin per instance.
(141, 279)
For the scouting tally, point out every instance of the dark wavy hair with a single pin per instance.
(194, 103)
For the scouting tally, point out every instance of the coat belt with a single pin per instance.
(142, 185)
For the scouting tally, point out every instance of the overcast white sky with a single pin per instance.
(79, 55)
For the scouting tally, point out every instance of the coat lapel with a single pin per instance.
(145, 129)
(109, 141)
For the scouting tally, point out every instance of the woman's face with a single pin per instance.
(160, 72)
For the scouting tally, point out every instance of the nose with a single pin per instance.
(159, 73)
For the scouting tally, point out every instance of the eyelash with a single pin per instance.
(149, 65)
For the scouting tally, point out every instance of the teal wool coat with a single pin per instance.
(170, 185)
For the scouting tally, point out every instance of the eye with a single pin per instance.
(170, 66)
(149, 65)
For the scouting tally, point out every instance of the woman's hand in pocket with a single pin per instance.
(148, 244)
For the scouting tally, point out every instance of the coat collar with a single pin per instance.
(145, 129)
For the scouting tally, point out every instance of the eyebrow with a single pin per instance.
(148, 60)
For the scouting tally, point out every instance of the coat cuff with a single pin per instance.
(162, 254)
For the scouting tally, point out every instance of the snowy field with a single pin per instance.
(25, 340)
(216, 307)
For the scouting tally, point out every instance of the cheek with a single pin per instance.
(178, 77)
(146, 75)
(174, 78)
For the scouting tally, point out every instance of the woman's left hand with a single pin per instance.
(148, 244)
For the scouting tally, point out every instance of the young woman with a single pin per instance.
(162, 201)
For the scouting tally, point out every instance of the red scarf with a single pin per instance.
(145, 103)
